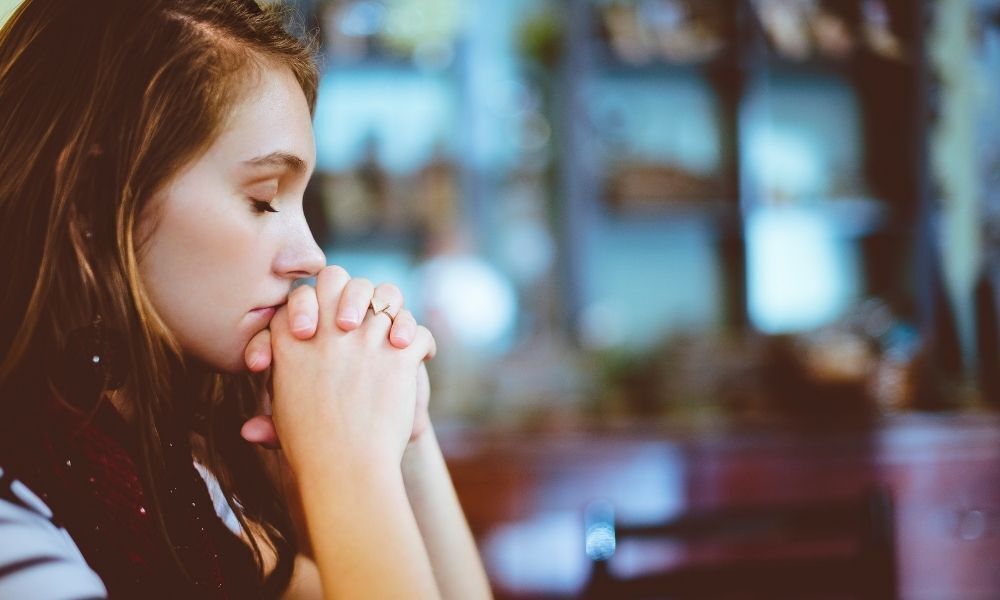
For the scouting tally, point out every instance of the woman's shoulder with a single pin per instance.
(38, 558)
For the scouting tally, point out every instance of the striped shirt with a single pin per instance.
(39, 560)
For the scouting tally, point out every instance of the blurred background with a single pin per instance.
(613, 209)
(695, 267)
(723, 274)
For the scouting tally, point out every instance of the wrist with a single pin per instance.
(352, 487)
(333, 459)
(421, 454)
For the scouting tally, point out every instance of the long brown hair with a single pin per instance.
(101, 103)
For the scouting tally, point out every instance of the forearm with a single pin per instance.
(457, 567)
(365, 539)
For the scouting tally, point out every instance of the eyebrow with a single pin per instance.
(283, 160)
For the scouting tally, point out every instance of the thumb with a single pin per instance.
(260, 430)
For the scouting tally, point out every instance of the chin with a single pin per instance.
(234, 368)
(233, 365)
(227, 367)
(223, 360)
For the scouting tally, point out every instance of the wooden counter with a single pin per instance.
(524, 492)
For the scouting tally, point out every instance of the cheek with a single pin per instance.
(187, 254)
(200, 268)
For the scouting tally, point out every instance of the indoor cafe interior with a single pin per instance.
(715, 283)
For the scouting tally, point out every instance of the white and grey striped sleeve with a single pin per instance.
(39, 560)
(219, 503)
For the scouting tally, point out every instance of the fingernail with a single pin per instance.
(302, 323)
(256, 359)
(350, 316)
(404, 337)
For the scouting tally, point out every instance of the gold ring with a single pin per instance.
(384, 310)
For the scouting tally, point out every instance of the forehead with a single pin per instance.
(269, 127)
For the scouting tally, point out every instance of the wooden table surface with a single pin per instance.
(524, 492)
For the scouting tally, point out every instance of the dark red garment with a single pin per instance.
(87, 474)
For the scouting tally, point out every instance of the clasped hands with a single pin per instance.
(335, 363)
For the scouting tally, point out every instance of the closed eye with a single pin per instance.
(262, 206)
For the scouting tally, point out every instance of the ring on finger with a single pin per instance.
(385, 309)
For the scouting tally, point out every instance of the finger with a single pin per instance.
(403, 330)
(279, 325)
(354, 301)
(421, 417)
(303, 312)
(420, 424)
(258, 352)
(377, 326)
(330, 284)
(388, 299)
(260, 430)
(424, 345)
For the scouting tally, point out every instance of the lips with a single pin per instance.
(262, 308)
(274, 305)
(265, 313)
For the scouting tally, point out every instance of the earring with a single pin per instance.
(93, 362)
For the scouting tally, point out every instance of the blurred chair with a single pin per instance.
(831, 550)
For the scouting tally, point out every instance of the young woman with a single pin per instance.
(153, 158)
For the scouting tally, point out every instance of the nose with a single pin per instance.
(300, 255)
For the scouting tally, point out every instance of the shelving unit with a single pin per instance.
(648, 176)
(877, 208)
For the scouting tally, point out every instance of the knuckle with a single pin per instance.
(390, 289)
(421, 340)
(331, 276)
(335, 271)
(361, 284)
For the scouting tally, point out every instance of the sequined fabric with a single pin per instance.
(87, 473)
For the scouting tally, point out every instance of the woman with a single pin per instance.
(153, 155)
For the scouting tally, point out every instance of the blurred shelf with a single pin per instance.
(850, 216)
(987, 8)
(391, 62)
(409, 241)
(607, 64)
(718, 213)
(385, 65)
(774, 64)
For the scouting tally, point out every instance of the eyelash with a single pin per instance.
(262, 206)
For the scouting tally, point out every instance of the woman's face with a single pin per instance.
(216, 257)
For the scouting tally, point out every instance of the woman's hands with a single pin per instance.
(348, 388)
(339, 304)
(344, 404)
(303, 315)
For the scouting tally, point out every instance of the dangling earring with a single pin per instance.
(93, 362)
